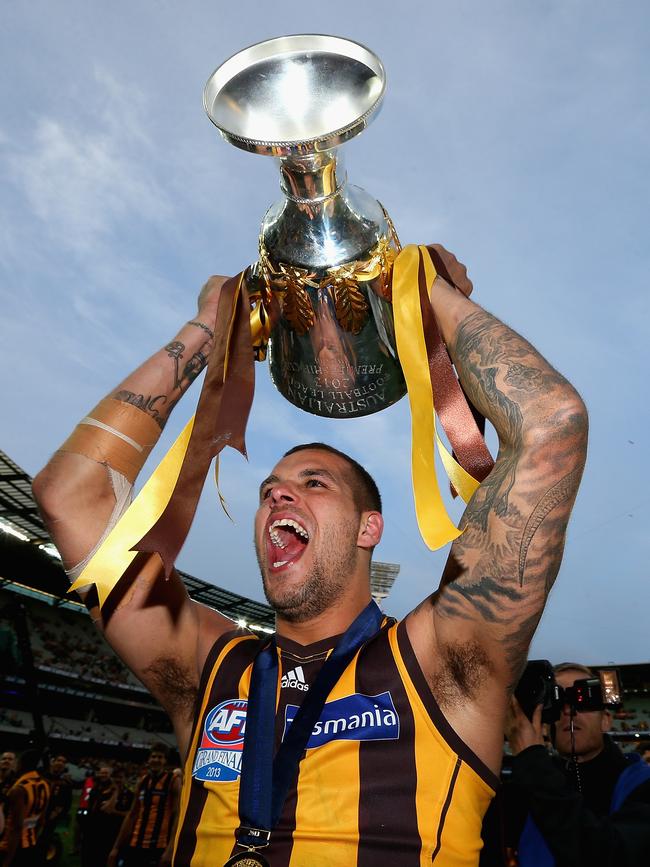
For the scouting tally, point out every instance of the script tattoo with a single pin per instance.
(184, 373)
(495, 576)
(151, 404)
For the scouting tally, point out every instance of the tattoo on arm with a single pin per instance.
(554, 497)
(486, 350)
(159, 406)
(203, 327)
(185, 376)
(501, 569)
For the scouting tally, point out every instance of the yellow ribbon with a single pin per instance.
(260, 326)
(114, 555)
(435, 525)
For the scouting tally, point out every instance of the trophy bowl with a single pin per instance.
(321, 286)
(295, 94)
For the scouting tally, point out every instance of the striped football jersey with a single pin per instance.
(154, 807)
(384, 779)
(35, 791)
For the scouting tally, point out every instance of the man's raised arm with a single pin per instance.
(82, 491)
(472, 635)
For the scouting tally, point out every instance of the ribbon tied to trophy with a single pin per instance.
(340, 309)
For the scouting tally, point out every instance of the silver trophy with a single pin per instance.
(321, 290)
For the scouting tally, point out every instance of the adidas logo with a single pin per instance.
(295, 680)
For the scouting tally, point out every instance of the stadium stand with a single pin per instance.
(59, 680)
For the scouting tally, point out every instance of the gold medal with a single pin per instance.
(250, 858)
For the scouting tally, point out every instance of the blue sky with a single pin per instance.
(515, 133)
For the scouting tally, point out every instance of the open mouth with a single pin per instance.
(286, 541)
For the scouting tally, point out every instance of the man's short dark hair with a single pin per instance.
(159, 747)
(364, 488)
(574, 666)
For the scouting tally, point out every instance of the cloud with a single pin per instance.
(84, 177)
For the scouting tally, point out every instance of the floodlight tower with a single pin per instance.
(382, 578)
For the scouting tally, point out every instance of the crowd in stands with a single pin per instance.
(66, 641)
(63, 729)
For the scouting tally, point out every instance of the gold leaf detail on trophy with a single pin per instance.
(288, 284)
(349, 303)
(384, 254)
(297, 307)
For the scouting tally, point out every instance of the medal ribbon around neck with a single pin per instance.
(265, 781)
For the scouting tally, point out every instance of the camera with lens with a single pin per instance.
(537, 685)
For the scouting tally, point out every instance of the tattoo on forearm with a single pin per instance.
(558, 494)
(185, 376)
(159, 406)
(203, 327)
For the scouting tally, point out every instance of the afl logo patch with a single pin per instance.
(218, 757)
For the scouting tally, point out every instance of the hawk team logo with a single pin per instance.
(218, 757)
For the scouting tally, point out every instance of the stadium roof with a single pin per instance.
(25, 534)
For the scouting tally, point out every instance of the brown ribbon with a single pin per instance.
(220, 420)
(457, 416)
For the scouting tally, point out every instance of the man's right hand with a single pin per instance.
(209, 297)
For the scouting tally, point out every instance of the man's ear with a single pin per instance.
(371, 528)
(606, 721)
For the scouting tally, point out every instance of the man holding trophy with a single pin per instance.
(346, 738)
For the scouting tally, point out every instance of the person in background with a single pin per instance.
(147, 833)
(82, 810)
(27, 804)
(119, 804)
(587, 807)
(60, 798)
(99, 825)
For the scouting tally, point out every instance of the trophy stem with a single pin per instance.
(312, 178)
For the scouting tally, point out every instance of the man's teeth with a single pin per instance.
(286, 522)
(280, 563)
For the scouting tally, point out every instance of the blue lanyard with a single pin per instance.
(265, 781)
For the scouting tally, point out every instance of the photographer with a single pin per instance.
(588, 806)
